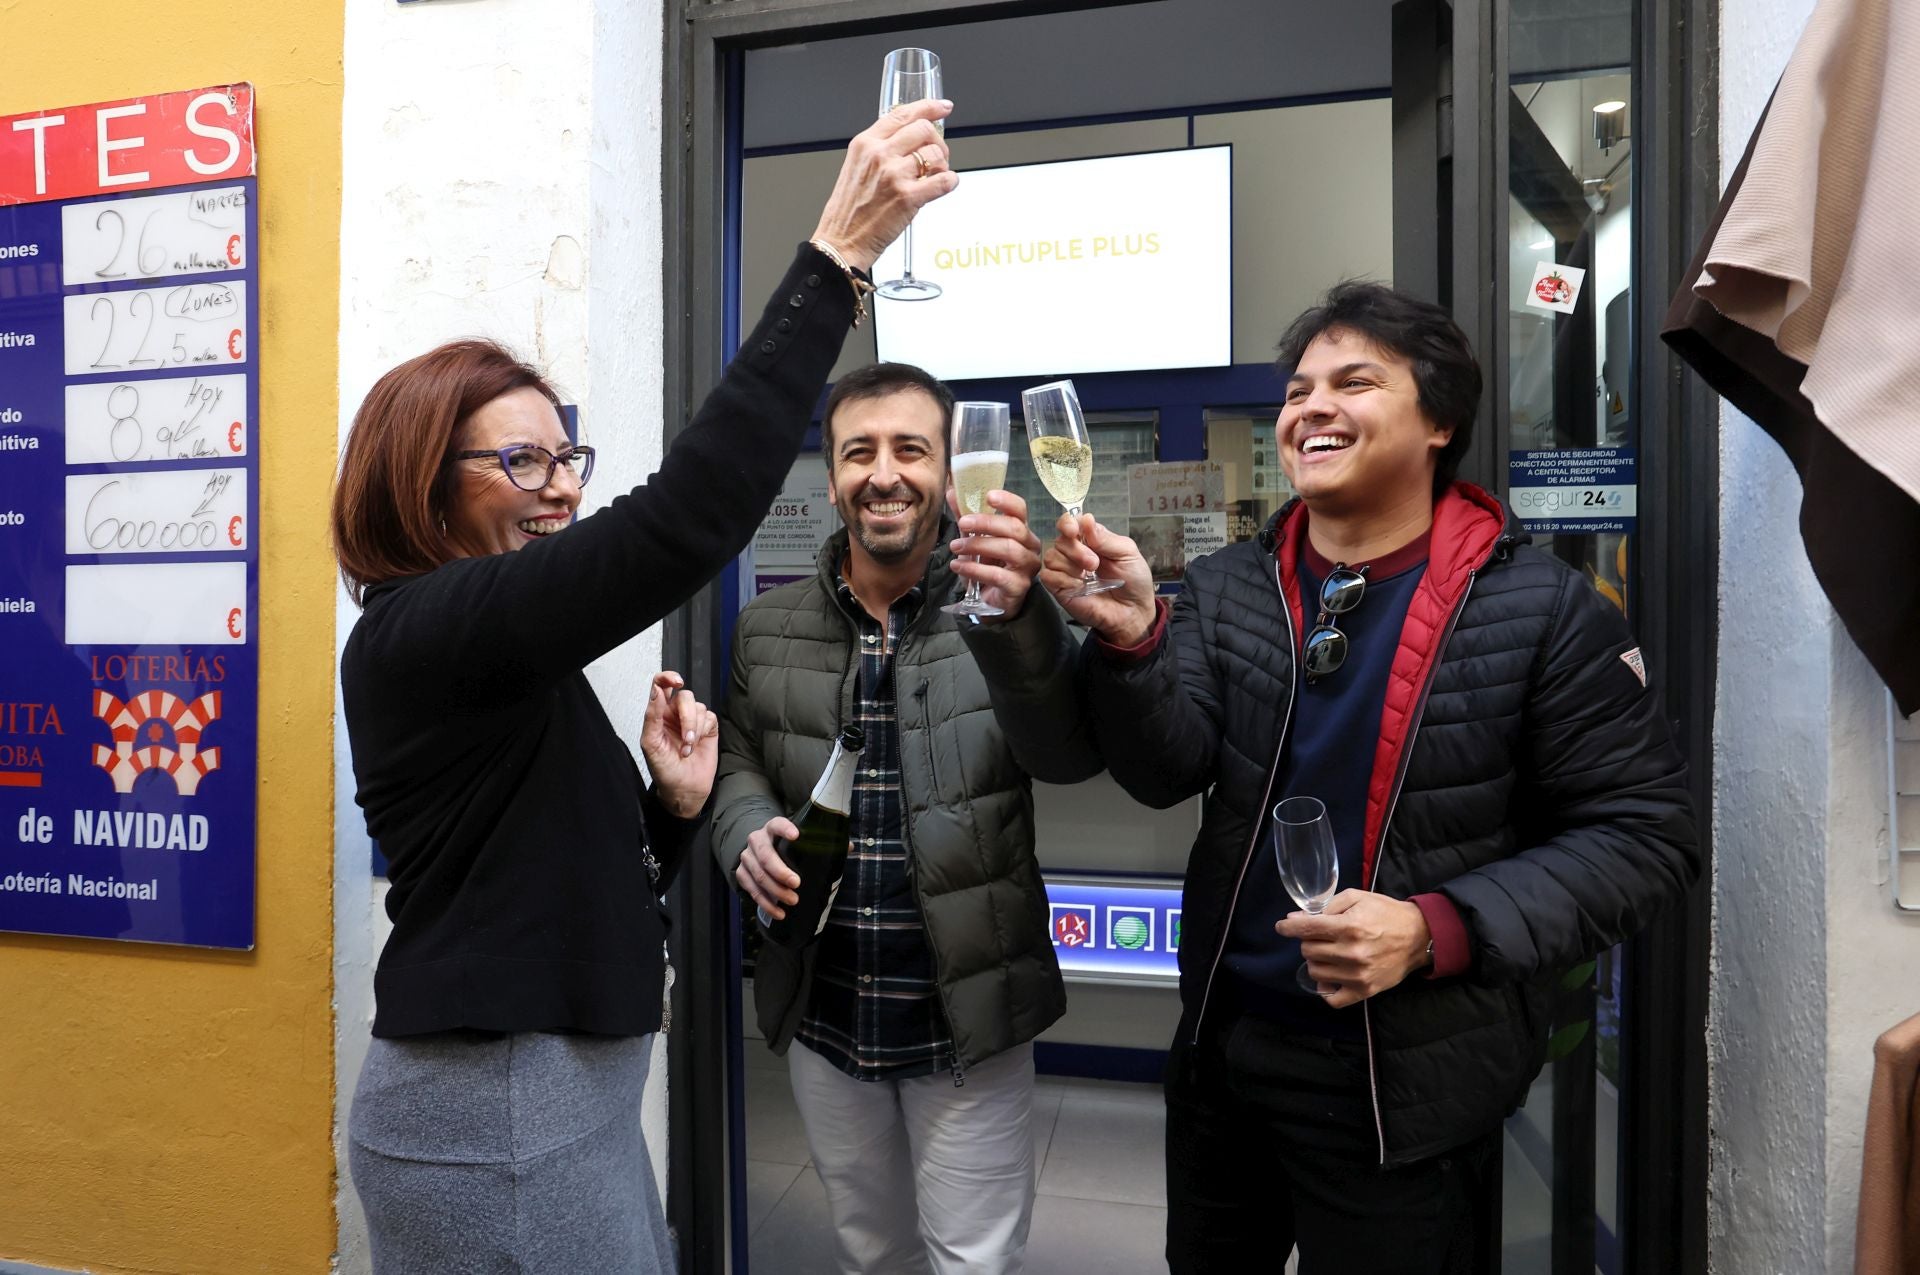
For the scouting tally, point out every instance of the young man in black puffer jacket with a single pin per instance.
(1502, 791)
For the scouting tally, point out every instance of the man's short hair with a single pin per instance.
(878, 380)
(1425, 335)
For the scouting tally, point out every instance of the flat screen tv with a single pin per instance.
(1090, 265)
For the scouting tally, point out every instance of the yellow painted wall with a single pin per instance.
(170, 1110)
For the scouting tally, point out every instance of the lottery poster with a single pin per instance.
(129, 515)
(1114, 930)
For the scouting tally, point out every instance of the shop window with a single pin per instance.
(1120, 440)
(1241, 441)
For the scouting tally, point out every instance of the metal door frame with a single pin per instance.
(1664, 1109)
(704, 42)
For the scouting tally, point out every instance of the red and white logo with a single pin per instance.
(1072, 925)
(1554, 288)
(142, 727)
(1633, 660)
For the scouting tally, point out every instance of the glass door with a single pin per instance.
(1571, 474)
(1514, 207)
(1476, 188)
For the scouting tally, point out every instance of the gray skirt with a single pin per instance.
(511, 1155)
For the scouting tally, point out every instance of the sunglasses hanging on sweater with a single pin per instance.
(1326, 648)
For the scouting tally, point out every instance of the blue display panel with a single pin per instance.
(129, 499)
(1114, 931)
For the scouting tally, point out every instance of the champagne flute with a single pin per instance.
(1309, 867)
(978, 463)
(909, 75)
(1063, 457)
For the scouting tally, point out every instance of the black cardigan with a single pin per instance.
(510, 811)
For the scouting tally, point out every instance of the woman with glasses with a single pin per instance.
(496, 1123)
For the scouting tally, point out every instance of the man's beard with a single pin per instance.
(896, 547)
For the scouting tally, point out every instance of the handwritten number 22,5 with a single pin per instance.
(178, 353)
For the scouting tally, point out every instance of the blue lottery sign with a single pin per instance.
(129, 503)
(1120, 931)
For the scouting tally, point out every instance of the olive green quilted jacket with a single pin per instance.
(980, 713)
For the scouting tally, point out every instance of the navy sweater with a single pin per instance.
(1328, 754)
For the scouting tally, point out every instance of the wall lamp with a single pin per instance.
(1609, 125)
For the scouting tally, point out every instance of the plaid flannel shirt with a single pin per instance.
(875, 1011)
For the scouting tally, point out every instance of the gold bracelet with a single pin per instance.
(859, 280)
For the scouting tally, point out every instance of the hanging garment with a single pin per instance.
(1799, 310)
(1888, 1241)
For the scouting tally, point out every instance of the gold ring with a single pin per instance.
(921, 160)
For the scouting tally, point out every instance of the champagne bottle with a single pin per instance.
(819, 854)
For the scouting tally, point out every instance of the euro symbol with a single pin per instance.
(233, 533)
(233, 249)
(233, 343)
(233, 437)
(233, 623)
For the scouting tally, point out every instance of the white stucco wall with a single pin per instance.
(1810, 961)
(1872, 952)
(1767, 1027)
(501, 178)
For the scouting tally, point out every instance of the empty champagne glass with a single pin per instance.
(909, 75)
(1063, 457)
(978, 464)
(1309, 866)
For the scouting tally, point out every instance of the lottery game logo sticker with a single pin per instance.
(1130, 929)
(141, 728)
(1072, 924)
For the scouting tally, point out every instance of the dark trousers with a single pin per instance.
(1271, 1143)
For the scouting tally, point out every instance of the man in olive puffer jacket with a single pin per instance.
(911, 1017)
(1473, 726)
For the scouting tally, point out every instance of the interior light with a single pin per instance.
(1609, 125)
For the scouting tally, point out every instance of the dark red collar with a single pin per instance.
(1387, 565)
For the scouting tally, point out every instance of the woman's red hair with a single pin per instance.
(390, 502)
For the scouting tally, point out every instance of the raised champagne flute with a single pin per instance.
(909, 75)
(1063, 457)
(1309, 867)
(978, 464)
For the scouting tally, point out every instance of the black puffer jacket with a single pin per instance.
(1524, 772)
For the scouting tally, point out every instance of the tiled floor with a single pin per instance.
(1097, 1149)
(1101, 1204)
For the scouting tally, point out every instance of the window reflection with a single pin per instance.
(1119, 440)
(1568, 385)
(1241, 440)
(1570, 206)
